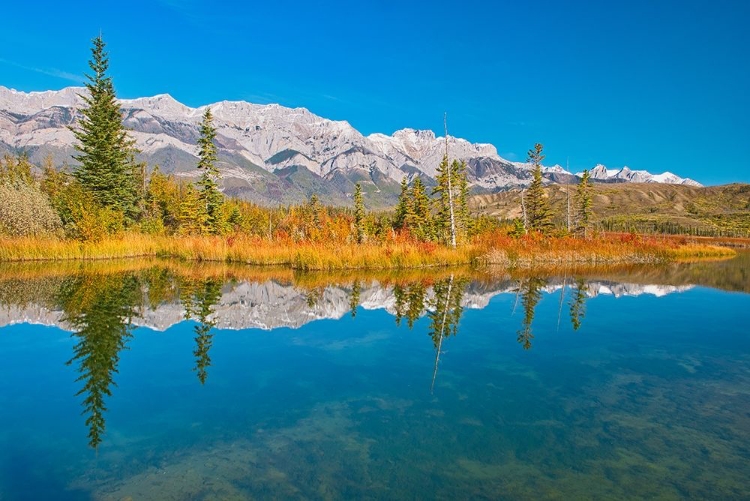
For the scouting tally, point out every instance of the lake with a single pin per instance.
(158, 380)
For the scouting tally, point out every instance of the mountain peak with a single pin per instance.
(626, 174)
(265, 148)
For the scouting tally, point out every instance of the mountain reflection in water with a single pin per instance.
(100, 304)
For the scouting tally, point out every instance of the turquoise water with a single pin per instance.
(274, 389)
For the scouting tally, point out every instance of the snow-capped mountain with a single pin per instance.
(268, 153)
(626, 175)
(271, 305)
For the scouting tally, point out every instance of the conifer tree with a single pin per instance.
(315, 210)
(359, 214)
(418, 216)
(538, 211)
(399, 219)
(193, 217)
(451, 220)
(463, 215)
(106, 149)
(584, 203)
(445, 217)
(210, 196)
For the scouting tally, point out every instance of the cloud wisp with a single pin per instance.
(53, 72)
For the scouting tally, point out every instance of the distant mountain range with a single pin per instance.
(271, 305)
(276, 155)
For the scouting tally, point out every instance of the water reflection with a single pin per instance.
(410, 301)
(445, 314)
(99, 309)
(530, 291)
(578, 304)
(101, 304)
(198, 297)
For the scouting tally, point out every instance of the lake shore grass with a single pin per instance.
(493, 249)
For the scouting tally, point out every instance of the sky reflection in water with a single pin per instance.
(619, 383)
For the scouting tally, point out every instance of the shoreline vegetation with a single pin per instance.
(495, 249)
(110, 206)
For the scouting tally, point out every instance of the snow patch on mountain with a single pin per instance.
(626, 174)
(271, 137)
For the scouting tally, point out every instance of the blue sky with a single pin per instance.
(657, 85)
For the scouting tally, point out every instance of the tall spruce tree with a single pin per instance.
(538, 210)
(584, 202)
(210, 196)
(418, 218)
(463, 215)
(399, 219)
(106, 150)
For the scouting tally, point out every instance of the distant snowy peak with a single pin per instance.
(263, 147)
(602, 173)
(555, 169)
(33, 102)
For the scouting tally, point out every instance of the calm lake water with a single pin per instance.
(152, 380)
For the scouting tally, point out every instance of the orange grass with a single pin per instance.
(490, 249)
(534, 250)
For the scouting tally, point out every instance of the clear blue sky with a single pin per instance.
(657, 85)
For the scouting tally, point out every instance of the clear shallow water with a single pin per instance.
(273, 389)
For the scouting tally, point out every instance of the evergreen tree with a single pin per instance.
(359, 214)
(106, 149)
(418, 217)
(210, 196)
(538, 211)
(314, 210)
(584, 202)
(193, 217)
(463, 215)
(452, 218)
(399, 219)
(445, 224)
(16, 172)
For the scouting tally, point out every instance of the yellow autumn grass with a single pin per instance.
(493, 249)
(534, 251)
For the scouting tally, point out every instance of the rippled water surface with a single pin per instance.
(147, 380)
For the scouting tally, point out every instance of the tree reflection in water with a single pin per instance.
(98, 303)
(530, 290)
(199, 297)
(99, 309)
(578, 304)
(445, 313)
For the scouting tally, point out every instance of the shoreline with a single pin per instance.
(525, 252)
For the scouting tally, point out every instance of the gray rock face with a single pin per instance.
(263, 149)
(270, 305)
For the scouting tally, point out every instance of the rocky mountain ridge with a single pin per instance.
(267, 153)
(627, 175)
(271, 305)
